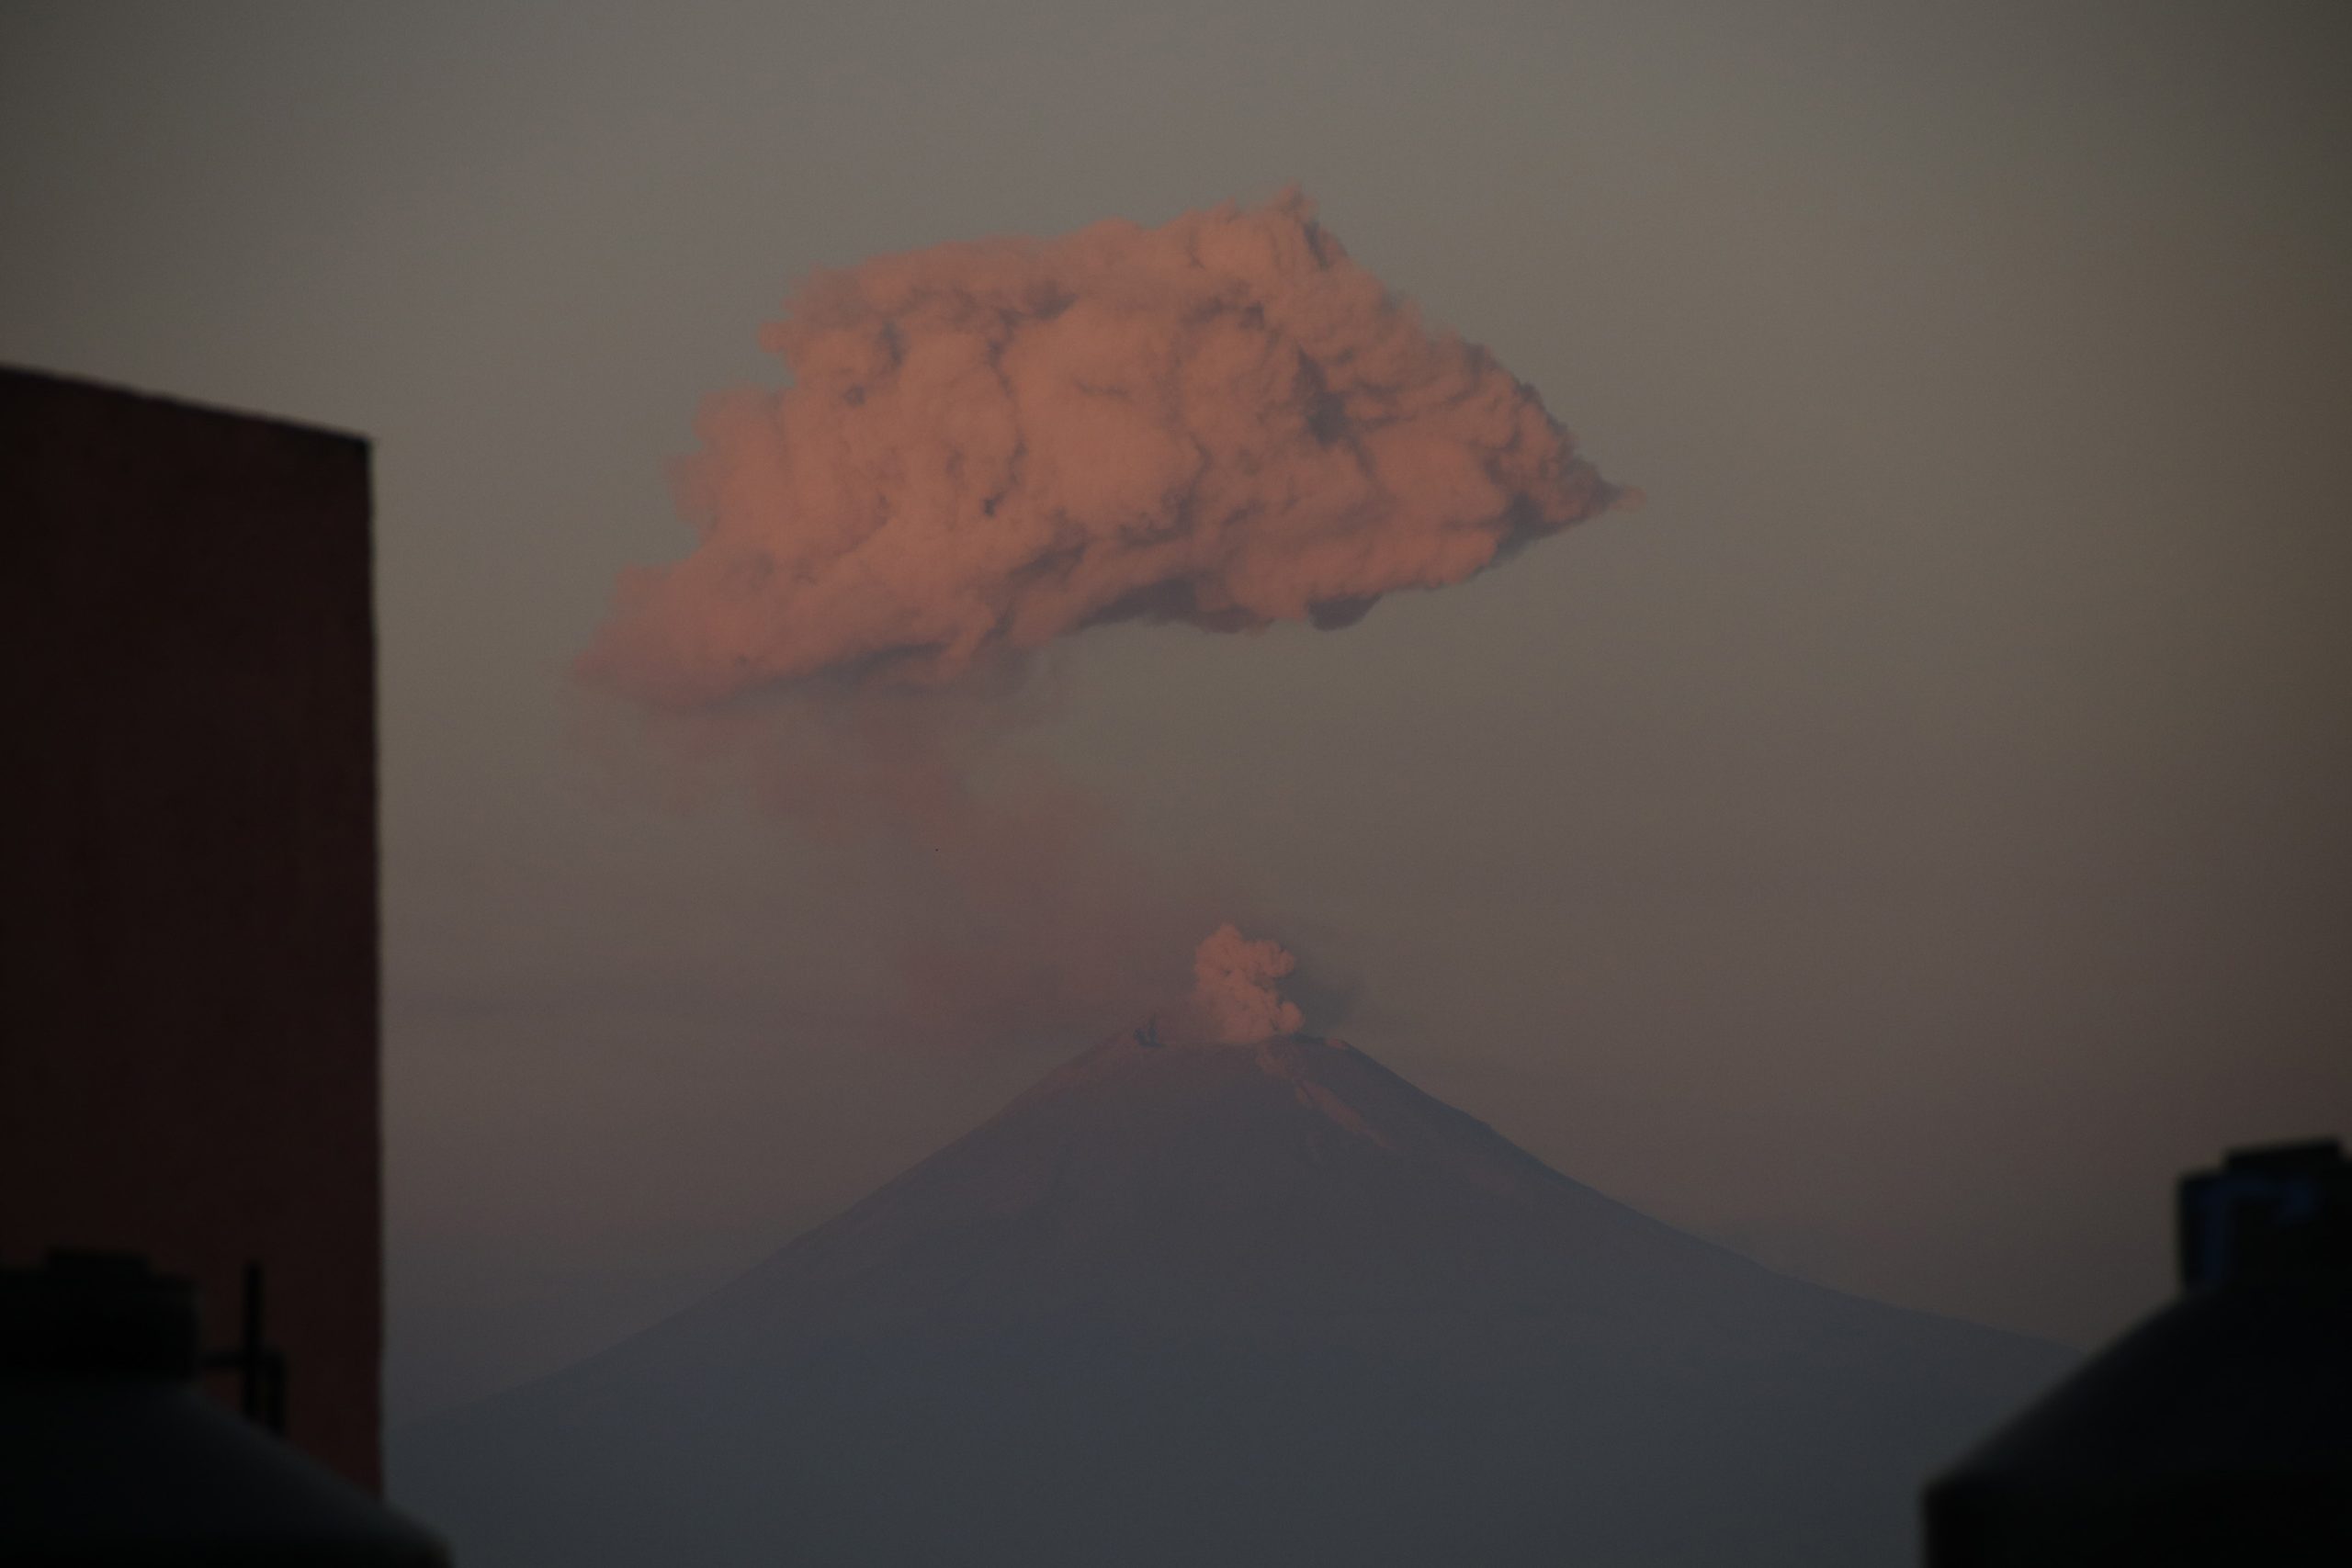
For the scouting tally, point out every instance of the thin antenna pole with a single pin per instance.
(249, 1369)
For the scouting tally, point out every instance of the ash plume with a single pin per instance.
(986, 447)
(1236, 988)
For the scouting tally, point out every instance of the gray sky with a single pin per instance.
(1897, 850)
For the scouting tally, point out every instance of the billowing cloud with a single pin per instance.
(1222, 421)
(1237, 990)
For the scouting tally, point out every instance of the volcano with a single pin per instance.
(1268, 1303)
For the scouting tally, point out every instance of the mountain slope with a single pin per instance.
(1232, 1305)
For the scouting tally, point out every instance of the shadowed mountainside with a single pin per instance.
(1257, 1304)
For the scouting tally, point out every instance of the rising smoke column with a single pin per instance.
(1223, 421)
(1237, 987)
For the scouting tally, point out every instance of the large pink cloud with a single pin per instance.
(1223, 421)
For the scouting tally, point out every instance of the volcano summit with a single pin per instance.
(1230, 1304)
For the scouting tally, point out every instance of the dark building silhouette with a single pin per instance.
(187, 871)
(107, 1453)
(2218, 1433)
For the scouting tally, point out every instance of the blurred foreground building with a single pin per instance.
(188, 872)
(2218, 1433)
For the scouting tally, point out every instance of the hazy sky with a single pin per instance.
(1897, 850)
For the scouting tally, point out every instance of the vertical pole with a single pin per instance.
(249, 1370)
